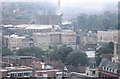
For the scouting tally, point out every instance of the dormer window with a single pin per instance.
(106, 69)
(115, 71)
(103, 68)
(109, 69)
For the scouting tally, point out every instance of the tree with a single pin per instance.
(63, 51)
(54, 47)
(110, 45)
(6, 51)
(83, 21)
(94, 22)
(76, 58)
(54, 56)
(104, 50)
(34, 51)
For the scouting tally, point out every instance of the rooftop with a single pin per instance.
(19, 57)
(17, 68)
(109, 64)
(56, 70)
(34, 26)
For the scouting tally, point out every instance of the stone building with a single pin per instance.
(41, 39)
(88, 39)
(68, 37)
(14, 42)
(107, 36)
(54, 38)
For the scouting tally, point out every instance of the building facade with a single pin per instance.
(68, 37)
(54, 38)
(14, 42)
(29, 29)
(48, 19)
(88, 39)
(107, 36)
(41, 39)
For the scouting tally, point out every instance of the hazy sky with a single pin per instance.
(63, 1)
(71, 3)
(68, 5)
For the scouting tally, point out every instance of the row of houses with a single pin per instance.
(25, 72)
(23, 67)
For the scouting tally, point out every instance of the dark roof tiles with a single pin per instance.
(109, 64)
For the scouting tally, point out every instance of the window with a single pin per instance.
(93, 72)
(87, 74)
(8, 74)
(107, 69)
(110, 70)
(115, 71)
(18, 74)
(11, 75)
(100, 38)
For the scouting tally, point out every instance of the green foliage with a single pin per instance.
(107, 48)
(76, 58)
(103, 44)
(59, 53)
(110, 45)
(98, 59)
(54, 47)
(63, 51)
(54, 56)
(6, 51)
(104, 50)
(34, 51)
(94, 22)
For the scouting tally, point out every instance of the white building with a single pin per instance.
(15, 42)
(41, 39)
(68, 37)
(107, 36)
(90, 54)
(53, 38)
(91, 72)
(32, 28)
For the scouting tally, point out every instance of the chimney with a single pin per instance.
(59, 12)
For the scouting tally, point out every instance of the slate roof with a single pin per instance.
(109, 64)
